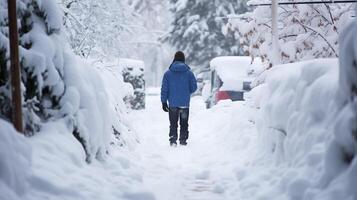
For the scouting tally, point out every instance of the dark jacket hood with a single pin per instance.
(178, 66)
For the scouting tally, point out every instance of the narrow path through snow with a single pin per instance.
(203, 169)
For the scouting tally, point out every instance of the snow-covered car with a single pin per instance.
(133, 73)
(229, 78)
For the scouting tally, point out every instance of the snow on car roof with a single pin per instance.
(231, 67)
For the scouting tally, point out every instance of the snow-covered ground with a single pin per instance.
(154, 170)
(275, 145)
(209, 164)
(267, 147)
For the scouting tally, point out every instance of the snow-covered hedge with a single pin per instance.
(15, 163)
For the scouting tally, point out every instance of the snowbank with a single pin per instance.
(340, 174)
(15, 163)
(295, 106)
(298, 119)
(295, 119)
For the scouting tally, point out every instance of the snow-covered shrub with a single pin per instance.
(112, 78)
(133, 73)
(305, 31)
(15, 163)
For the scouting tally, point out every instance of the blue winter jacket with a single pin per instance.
(177, 85)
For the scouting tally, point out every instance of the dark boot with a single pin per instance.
(173, 144)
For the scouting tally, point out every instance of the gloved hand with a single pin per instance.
(165, 107)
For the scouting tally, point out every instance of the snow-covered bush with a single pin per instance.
(57, 85)
(305, 31)
(15, 163)
(133, 73)
(111, 75)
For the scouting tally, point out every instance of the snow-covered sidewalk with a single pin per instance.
(208, 168)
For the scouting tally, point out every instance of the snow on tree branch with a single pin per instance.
(305, 31)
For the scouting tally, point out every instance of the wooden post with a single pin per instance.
(15, 68)
(275, 35)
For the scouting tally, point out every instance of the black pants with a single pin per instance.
(176, 114)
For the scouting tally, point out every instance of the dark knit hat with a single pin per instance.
(179, 56)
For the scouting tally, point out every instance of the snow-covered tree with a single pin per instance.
(305, 31)
(56, 85)
(99, 29)
(154, 17)
(197, 29)
(112, 29)
(42, 61)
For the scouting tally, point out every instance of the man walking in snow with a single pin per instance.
(177, 86)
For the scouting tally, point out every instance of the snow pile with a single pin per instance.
(295, 104)
(341, 161)
(15, 164)
(298, 119)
